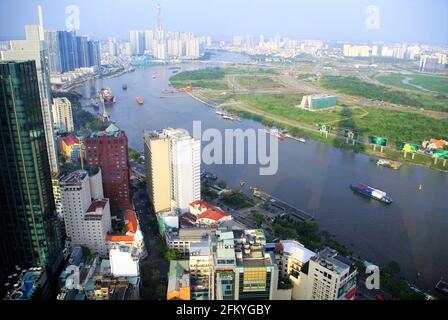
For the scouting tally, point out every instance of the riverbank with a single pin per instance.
(300, 129)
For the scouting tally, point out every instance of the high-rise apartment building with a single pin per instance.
(327, 276)
(33, 49)
(137, 40)
(29, 234)
(86, 211)
(109, 150)
(82, 47)
(158, 177)
(180, 175)
(62, 115)
(68, 50)
(53, 51)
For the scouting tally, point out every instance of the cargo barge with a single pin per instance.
(371, 193)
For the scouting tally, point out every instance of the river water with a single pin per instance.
(315, 177)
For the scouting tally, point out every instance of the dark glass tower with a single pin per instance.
(29, 234)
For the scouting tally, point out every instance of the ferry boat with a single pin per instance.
(371, 193)
(140, 100)
(106, 96)
(389, 164)
(276, 133)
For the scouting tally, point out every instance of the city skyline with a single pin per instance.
(398, 21)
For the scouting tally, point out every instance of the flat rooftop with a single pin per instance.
(74, 178)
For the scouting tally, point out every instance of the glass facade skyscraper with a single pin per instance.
(29, 230)
(68, 50)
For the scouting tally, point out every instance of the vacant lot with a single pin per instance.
(356, 87)
(414, 81)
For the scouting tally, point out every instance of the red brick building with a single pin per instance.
(109, 150)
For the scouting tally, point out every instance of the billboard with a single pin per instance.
(440, 154)
(324, 127)
(409, 147)
(349, 134)
(379, 141)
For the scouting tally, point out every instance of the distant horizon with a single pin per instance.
(399, 21)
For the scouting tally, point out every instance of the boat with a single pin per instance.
(140, 100)
(371, 193)
(300, 139)
(389, 164)
(106, 96)
(220, 113)
(125, 87)
(276, 133)
(230, 117)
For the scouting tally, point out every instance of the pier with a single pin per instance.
(285, 208)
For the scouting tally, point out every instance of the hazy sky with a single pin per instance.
(424, 21)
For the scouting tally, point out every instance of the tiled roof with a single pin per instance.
(70, 140)
(131, 228)
(212, 215)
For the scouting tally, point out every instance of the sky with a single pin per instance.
(422, 21)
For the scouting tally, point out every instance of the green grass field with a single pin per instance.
(397, 126)
(356, 87)
(258, 82)
(433, 83)
(284, 105)
(210, 78)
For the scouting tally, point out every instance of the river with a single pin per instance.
(315, 177)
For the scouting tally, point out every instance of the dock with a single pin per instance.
(286, 208)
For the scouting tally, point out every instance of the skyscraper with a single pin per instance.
(62, 115)
(159, 18)
(137, 39)
(82, 48)
(173, 169)
(28, 222)
(53, 52)
(68, 50)
(109, 151)
(94, 53)
(158, 170)
(33, 49)
(87, 221)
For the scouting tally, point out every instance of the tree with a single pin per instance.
(133, 155)
(171, 254)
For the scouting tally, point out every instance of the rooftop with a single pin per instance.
(199, 249)
(297, 250)
(70, 140)
(97, 204)
(74, 178)
(111, 131)
(327, 258)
